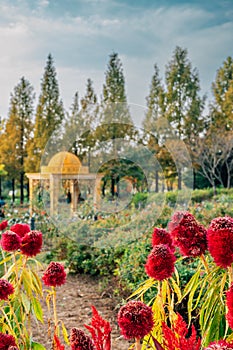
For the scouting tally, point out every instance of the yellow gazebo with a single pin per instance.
(64, 170)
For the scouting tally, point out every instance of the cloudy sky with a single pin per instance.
(80, 34)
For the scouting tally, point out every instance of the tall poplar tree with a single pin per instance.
(49, 114)
(114, 116)
(184, 103)
(155, 109)
(18, 133)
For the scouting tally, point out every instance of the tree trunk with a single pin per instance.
(179, 179)
(13, 190)
(156, 181)
(21, 187)
(112, 186)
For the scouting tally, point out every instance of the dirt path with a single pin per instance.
(74, 300)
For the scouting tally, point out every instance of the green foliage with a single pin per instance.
(140, 199)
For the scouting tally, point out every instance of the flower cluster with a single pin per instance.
(6, 289)
(135, 320)
(220, 241)
(20, 229)
(188, 234)
(7, 341)
(161, 236)
(54, 275)
(10, 241)
(31, 243)
(3, 225)
(219, 345)
(20, 237)
(160, 262)
(80, 341)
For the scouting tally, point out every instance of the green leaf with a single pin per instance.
(65, 333)
(37, 346)
(26, 302)
(37, 309)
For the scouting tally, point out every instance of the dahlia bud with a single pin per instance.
(54, 275)
(161, 236)
(220, 241)
(6, 289)
(80, 341)
(6, 340)
(10, 241)
(20, 229)
(135, 320)
(188, 234)
(160, 262)
(31, 243)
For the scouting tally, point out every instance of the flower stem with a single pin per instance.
(230, 274)
(137, 344)
(3, 256)
(16, 268)
(55, 310)
(203, 259)
(21, 277)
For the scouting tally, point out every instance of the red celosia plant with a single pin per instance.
(188, 234)
(3, 225)
(100, 330)
(80, 341)
(6, 289)
(219, 345)
(161, 236)
(31, 243)
(135, 320)
(20, 229)
(220, 241)
(54, 275)
(176, 338)
(160, 262)
(229, 303)
(10, 241)
(6, 340)
(57, 344)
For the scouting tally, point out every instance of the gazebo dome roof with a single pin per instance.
(63, 163)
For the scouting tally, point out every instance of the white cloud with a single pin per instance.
(81, 45)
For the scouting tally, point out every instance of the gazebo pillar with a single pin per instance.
(74, 190)
(97, 191)
(54, 191)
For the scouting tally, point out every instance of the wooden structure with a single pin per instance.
(64, 172)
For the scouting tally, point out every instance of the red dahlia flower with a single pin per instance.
(20, 229)
(188, 234)
(6, 289)
(219, 345)
(6, 340)
(161, 236)
(3, 225)
(229, 303)
(80, 341)
(160, 262)
(10, 241)
(31, 243)
(54, 275)
(135, 320)
(220, 241)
